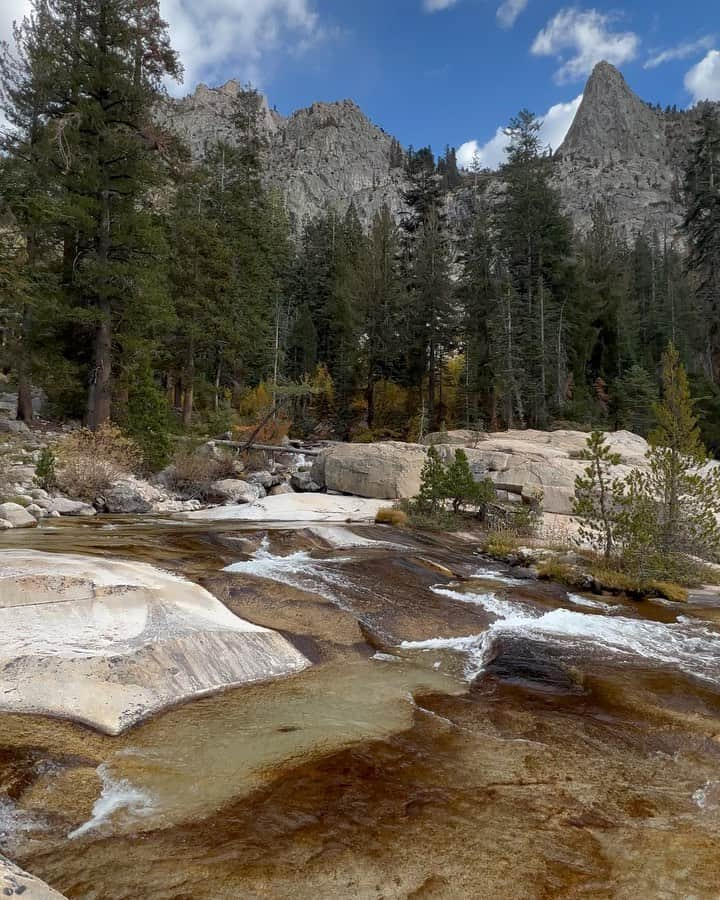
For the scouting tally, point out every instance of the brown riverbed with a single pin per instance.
(574, 751)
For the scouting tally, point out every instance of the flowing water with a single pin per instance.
(462, 733)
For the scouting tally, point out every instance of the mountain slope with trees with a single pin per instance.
(165, 285)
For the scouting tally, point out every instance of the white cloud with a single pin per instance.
(555, 124)
(221, 38)
(12, 10)
(680, 51)
(432, 6)
(581, 38)
(217, 39)
(703, 80)
(508, 12)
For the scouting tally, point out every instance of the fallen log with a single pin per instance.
(270, 448)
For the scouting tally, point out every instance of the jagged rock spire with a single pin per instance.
(612, 122)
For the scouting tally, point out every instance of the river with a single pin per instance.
(461, 734)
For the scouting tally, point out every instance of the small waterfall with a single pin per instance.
(686, 645)
(117, 795)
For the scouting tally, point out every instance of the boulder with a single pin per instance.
(108, 642)
(65, 507)
(5, 524)
(295, 508)
(17, 515)
(522, 463)
(264, 479)
(462, 437)
(280, 489)
(303, 482)
(384, 471)
(37, 512)
(12, 426)
(126, 497)
(234, 490)
(16, 882)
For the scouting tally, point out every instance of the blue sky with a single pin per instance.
(445, 71)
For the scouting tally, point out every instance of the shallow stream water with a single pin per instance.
(461, 733)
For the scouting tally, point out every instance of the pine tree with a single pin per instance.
(379, 296)
(535, 240)
(430, 309)
(476, 295)
(432, 484)
(114, 57)
(702, 227)
(683, 495)
(29, 192)
(598, 495)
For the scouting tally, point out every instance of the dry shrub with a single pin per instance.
(389, 516)
(191, 475)
(90, 462)
(254, 460)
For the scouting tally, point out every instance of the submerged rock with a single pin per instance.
(108, 642)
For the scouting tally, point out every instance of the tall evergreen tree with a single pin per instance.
(30, 197)
(535, 240)
(114, 55)
(379, 295)
(702, 226)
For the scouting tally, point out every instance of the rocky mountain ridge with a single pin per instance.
(626, 154)
(325, 156)
(619, 151)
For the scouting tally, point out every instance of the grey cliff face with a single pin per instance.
(618, 151)
(625, 154)
(327, 156)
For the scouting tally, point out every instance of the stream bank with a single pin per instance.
(460, 734)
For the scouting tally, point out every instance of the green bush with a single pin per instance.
(147, 420)
(45, 476)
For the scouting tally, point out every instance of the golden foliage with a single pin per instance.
(390, 516)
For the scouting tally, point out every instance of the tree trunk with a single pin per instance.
(99, 396)
(177, 392)
(431, 387)
(100, 393)
(189, 384)
(24, 401)
(218, 373)
(370, 398)
(542, 406)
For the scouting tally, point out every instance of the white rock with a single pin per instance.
(108, 643)
(17, 515)
(5, 524)
(234, 490)
(131, 495)
(65, 507)
(264, 479)
(12, 426)
(296, 508)
(15, 882)
(384, 471)
(36, 511)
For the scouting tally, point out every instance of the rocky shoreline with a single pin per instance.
(526, 466)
